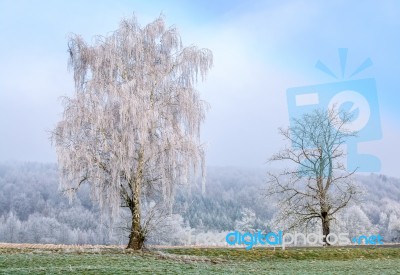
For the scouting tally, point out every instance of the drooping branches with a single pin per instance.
(135, 116)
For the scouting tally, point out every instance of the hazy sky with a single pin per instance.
(261, 49)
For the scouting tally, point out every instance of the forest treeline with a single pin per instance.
(33, 209)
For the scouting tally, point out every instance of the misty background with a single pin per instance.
(261, 48)
(33, 211)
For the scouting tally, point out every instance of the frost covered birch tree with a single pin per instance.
(132, 127)
(315, 186)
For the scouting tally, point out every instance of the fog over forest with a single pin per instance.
(33, 210)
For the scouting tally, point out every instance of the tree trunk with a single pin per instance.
(325, 226)
(136, 236)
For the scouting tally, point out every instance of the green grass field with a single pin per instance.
(361, 260)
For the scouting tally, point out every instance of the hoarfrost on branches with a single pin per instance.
(316, 185)
(132, 127)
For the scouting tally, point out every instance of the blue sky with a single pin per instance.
(261, 48)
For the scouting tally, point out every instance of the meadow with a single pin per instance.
(332, 260)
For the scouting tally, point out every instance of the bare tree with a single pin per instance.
(132, 128)
(316, 184)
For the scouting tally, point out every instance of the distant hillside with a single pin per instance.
(33, 210)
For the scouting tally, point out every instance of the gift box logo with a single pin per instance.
(356, 96)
